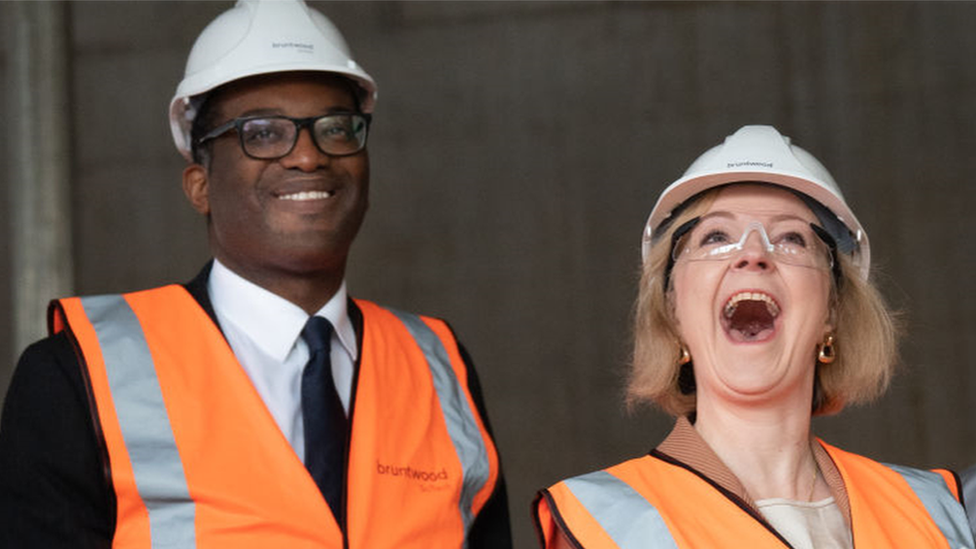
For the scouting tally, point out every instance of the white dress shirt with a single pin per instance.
(264, 331)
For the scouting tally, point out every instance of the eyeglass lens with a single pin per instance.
(274, 137)
(790, 241)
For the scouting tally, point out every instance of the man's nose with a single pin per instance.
(305, 155)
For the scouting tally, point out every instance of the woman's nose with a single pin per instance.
(754, 255)
(752, 261)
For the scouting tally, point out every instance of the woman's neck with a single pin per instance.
(768, 450)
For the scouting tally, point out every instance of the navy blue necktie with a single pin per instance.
(326, 427)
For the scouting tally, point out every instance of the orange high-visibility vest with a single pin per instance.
(649, 502)
(197, 461)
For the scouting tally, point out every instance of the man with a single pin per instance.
(256, 406)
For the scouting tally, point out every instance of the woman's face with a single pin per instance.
(752, 317)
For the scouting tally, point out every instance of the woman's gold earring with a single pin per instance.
(685, 357)
(825, 353)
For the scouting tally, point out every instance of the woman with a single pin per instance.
(754, 314)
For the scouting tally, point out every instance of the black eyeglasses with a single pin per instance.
(272, 137)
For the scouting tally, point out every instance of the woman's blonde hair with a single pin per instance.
(864, 336)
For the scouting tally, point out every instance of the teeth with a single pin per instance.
(751, 296)
(306, 195)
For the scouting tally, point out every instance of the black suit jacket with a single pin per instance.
(55, 480)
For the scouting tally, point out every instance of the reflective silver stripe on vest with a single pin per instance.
(461, 424)
(626, 516)
(968, 478)
(948, 514)
(145, 425)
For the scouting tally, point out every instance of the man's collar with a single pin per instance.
(273, 323)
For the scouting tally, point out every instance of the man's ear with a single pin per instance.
(196, 186)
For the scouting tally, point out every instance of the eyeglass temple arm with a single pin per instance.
(823, 235)
(678, 233)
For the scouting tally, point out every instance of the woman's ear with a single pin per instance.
(828, 328)
(196, 187)
(831, 323)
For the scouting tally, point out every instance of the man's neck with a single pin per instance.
(310, 290)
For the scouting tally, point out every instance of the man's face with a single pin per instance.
(295, 215)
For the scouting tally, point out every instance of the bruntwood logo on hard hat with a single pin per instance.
(297, 46)
(750, 164)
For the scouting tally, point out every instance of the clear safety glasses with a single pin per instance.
(272, 137)
(719, 235)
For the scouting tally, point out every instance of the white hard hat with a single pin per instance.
(762, 154)
(259, 37)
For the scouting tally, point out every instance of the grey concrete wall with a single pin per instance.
(6, 322)
(517, 150)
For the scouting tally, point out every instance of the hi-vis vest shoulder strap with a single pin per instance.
(648, 502)
(198, 462)
(968, 479)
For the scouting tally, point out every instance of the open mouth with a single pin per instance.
(750, 316)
